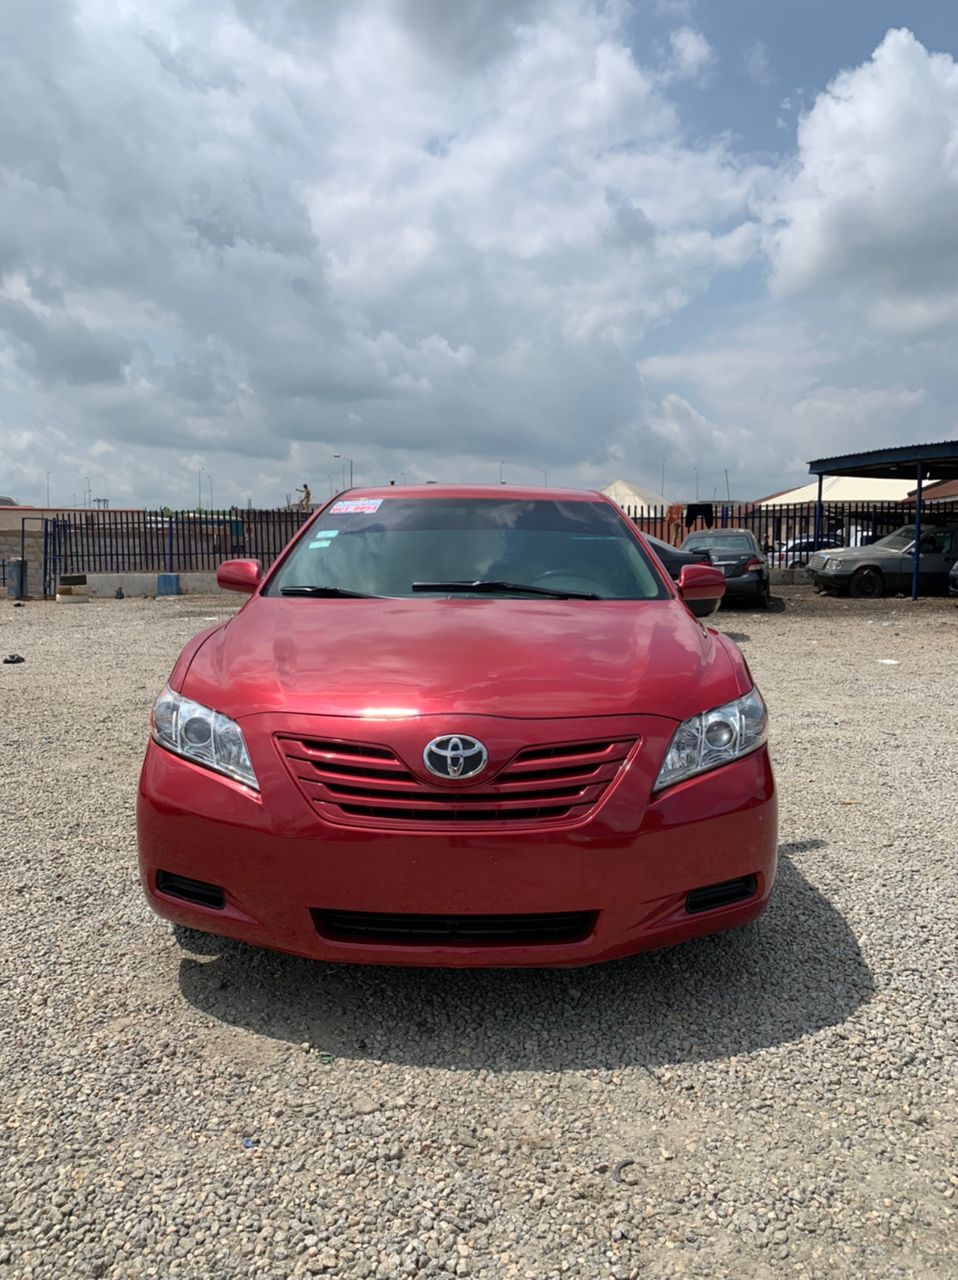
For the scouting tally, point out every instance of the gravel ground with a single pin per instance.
(774, 1103)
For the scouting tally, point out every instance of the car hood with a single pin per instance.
(518, 658)
(859, 554)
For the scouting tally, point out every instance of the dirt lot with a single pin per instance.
(774, 1103)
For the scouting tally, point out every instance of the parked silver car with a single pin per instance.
(885, 568)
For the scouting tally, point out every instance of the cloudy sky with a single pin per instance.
(585, 237)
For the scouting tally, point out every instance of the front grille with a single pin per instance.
(366, 783)
(198, 891)
(720, 895)
(816, 562)
(383, 929)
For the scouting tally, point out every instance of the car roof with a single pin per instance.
(524, 493)
(712, 533)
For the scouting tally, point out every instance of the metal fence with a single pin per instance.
(185, 541)
(163, 542)
(843, 523)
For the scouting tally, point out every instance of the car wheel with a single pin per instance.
(867, 584)
(765, 596)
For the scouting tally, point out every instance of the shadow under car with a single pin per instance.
(794, 971)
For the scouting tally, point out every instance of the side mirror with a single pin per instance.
(239, 575)
(701, 582)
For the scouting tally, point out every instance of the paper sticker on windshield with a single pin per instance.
(319, 544)
(355, 507)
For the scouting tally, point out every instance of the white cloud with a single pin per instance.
(430, 235)
(757, 63)
(675, 9)
(762, 398)
(344, 226)
(691, 53)
(869, 213)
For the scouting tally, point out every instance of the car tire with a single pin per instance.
(867, 584)
(765, 597)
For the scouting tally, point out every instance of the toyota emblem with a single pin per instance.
(455, 756)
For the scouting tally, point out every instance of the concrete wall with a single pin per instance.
(104, 585)
(33, 553)
(789, 578)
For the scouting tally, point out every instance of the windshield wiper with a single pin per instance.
(487, 587)
(319, 592)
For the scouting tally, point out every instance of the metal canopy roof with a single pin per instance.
(923, 461)
(937, 461)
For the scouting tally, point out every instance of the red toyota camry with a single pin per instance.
(460, 726)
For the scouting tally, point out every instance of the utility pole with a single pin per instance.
(728, 491)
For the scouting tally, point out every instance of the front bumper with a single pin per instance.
(834, 582)
(285, 871)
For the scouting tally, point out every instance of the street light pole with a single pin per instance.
(662, 485)
(199, 489)
(545, 476)
(696, 470)
(350, 461)
(501, 480)
(209, 481)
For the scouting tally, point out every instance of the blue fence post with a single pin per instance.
(818, 514)
(916, 554)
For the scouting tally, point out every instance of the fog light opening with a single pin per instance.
(199, 892)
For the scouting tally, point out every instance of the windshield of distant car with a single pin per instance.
(717, 542)
(900, 540)
(383, 546)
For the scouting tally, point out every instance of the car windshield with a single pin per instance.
(415, 547)
(717, 542)
(899, 540)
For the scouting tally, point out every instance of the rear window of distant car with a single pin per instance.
(382, 546)
(718, 542)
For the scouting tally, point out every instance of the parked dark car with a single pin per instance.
(953, 580)
(885, 568)
(740, 558)
(674, 560)
(796, 553)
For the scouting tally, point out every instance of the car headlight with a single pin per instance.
(833, 566)
(714, 738)
(203, 736)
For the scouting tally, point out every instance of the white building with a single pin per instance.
(843, 489)
(633, 500)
